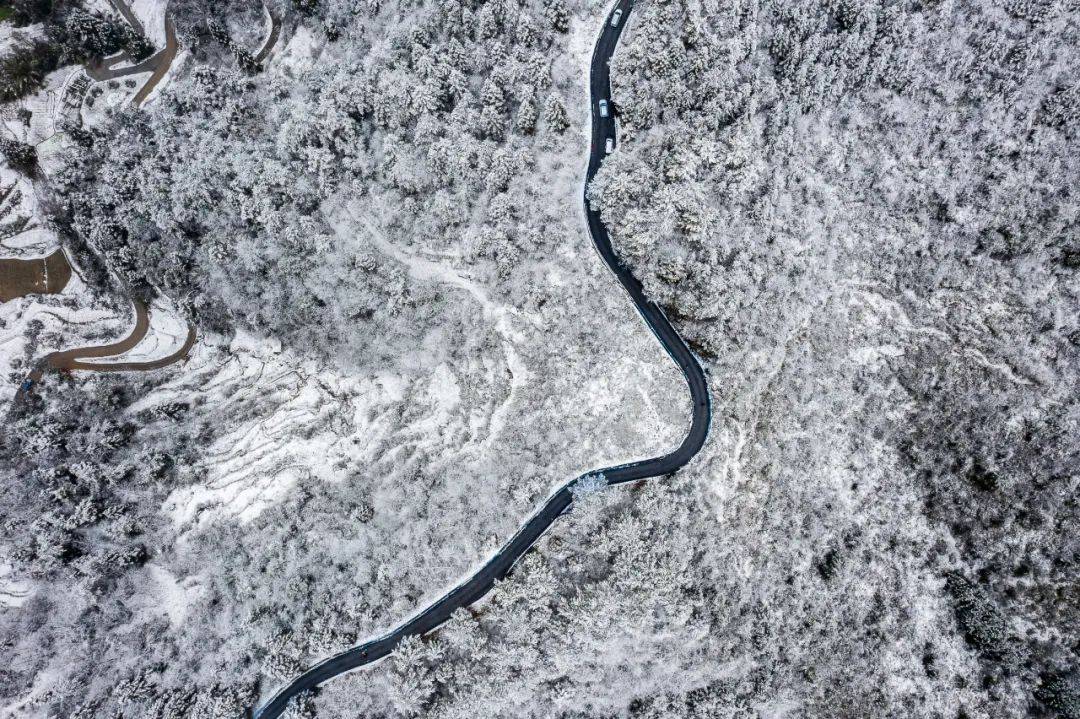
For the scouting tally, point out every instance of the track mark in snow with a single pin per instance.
(425, 270)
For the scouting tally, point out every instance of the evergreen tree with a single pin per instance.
(527, 114)
(555, 115)
(19, 156)
(557, 15)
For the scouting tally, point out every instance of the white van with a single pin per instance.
(609, 145)
(616, 17)
(603, 108)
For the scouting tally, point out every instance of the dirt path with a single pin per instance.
(75, 359)
(107, 70)
(159, 63)
(165, 61)
(122, 7)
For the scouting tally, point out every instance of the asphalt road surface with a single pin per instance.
(500, 565)
(272, 38)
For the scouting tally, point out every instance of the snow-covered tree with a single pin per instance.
(527, 114)
(555, 115)
(557, 15)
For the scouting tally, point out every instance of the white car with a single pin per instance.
(609, 145)
(616, 17)
(603, 108)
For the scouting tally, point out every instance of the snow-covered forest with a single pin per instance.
(860, 213)
(236, 194)
(373, 403)
(865, 216)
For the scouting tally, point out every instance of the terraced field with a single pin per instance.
(44, 275)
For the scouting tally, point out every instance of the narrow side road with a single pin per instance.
(496, 568)
(271, 39)
(157, 64)
(75, 359)
(125, 12)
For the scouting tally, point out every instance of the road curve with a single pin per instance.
(271, 39)
(165, 61)
(158, 64)
(496, 568)
(75, 359)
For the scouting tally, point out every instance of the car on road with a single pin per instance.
(609, 145)
(616, 17)
(603, 105)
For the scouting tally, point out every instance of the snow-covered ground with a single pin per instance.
(305, 435)
(13, 592)
(151, 14)
(164, 594)
(36, 240)
(299, 52)
(166, 335)
(66, 319)
(46, 107)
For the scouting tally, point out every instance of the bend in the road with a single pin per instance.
(271, 38)
(157, 64)
(75, 359)
(499, 565)
(167, 56)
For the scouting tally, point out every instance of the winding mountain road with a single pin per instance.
(496, 568)
(157, 64)
(75, 359)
